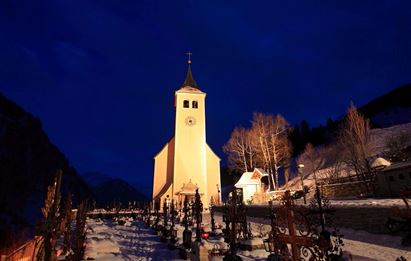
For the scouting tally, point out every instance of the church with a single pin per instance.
(186, 162)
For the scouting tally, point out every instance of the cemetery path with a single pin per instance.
(133, 242)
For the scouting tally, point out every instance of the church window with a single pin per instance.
(186, 104)
(195, 104)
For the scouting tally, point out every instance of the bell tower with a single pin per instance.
(186, 162)
(190, 134)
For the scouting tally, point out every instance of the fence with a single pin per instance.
(26, 252)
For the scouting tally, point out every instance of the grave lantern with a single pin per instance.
(187, 234)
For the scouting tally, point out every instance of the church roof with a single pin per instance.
(189, 81)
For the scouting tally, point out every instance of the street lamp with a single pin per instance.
(300, 171)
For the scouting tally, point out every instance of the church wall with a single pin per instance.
(164, 196)
(163, 169)
(213, 177)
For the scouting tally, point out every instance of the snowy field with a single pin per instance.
(106, 240)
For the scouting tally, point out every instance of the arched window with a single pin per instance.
(186, 104)
(195, 104)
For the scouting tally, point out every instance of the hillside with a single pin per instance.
(95, 178)
(380, 137)
(117, 190)
(28, 161)
(392, 108)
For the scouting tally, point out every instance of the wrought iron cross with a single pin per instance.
(296, 241)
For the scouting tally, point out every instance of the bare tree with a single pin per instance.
(274, 148)
(265, 145)
(313, 159)
(333, 162)
(240, 151)
(356, 140)
(280, 145)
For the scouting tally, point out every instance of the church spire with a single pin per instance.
(189, 81)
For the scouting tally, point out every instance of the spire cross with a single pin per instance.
(189, 56)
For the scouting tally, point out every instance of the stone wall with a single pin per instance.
(344, 190)
(370, 219)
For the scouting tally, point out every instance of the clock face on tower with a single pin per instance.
(190, 121)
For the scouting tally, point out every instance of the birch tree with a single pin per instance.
(260, 127)
(265, 145)
(274, 148)
(356, 140)
(240, 151)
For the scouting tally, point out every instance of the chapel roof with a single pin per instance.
(246, 179)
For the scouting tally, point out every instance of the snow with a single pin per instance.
(369, 202)
(355, 203)
(106, 240)
(375, 247)
(380, 136)
(360, 244)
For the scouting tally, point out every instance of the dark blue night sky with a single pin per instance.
(101, 75)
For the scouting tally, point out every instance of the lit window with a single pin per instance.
(195, 104)
(186, 104)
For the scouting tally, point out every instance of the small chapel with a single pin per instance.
(186, 163)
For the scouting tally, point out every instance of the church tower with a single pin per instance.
(187, 162)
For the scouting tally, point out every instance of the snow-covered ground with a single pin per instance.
(106, 240)
(360, 244)
(360, 203)
(369, 202)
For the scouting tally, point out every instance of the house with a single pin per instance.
(252, 183)
(394, 178)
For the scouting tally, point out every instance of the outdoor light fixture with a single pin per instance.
(300, 171)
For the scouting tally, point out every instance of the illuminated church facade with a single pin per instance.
(186, 162)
